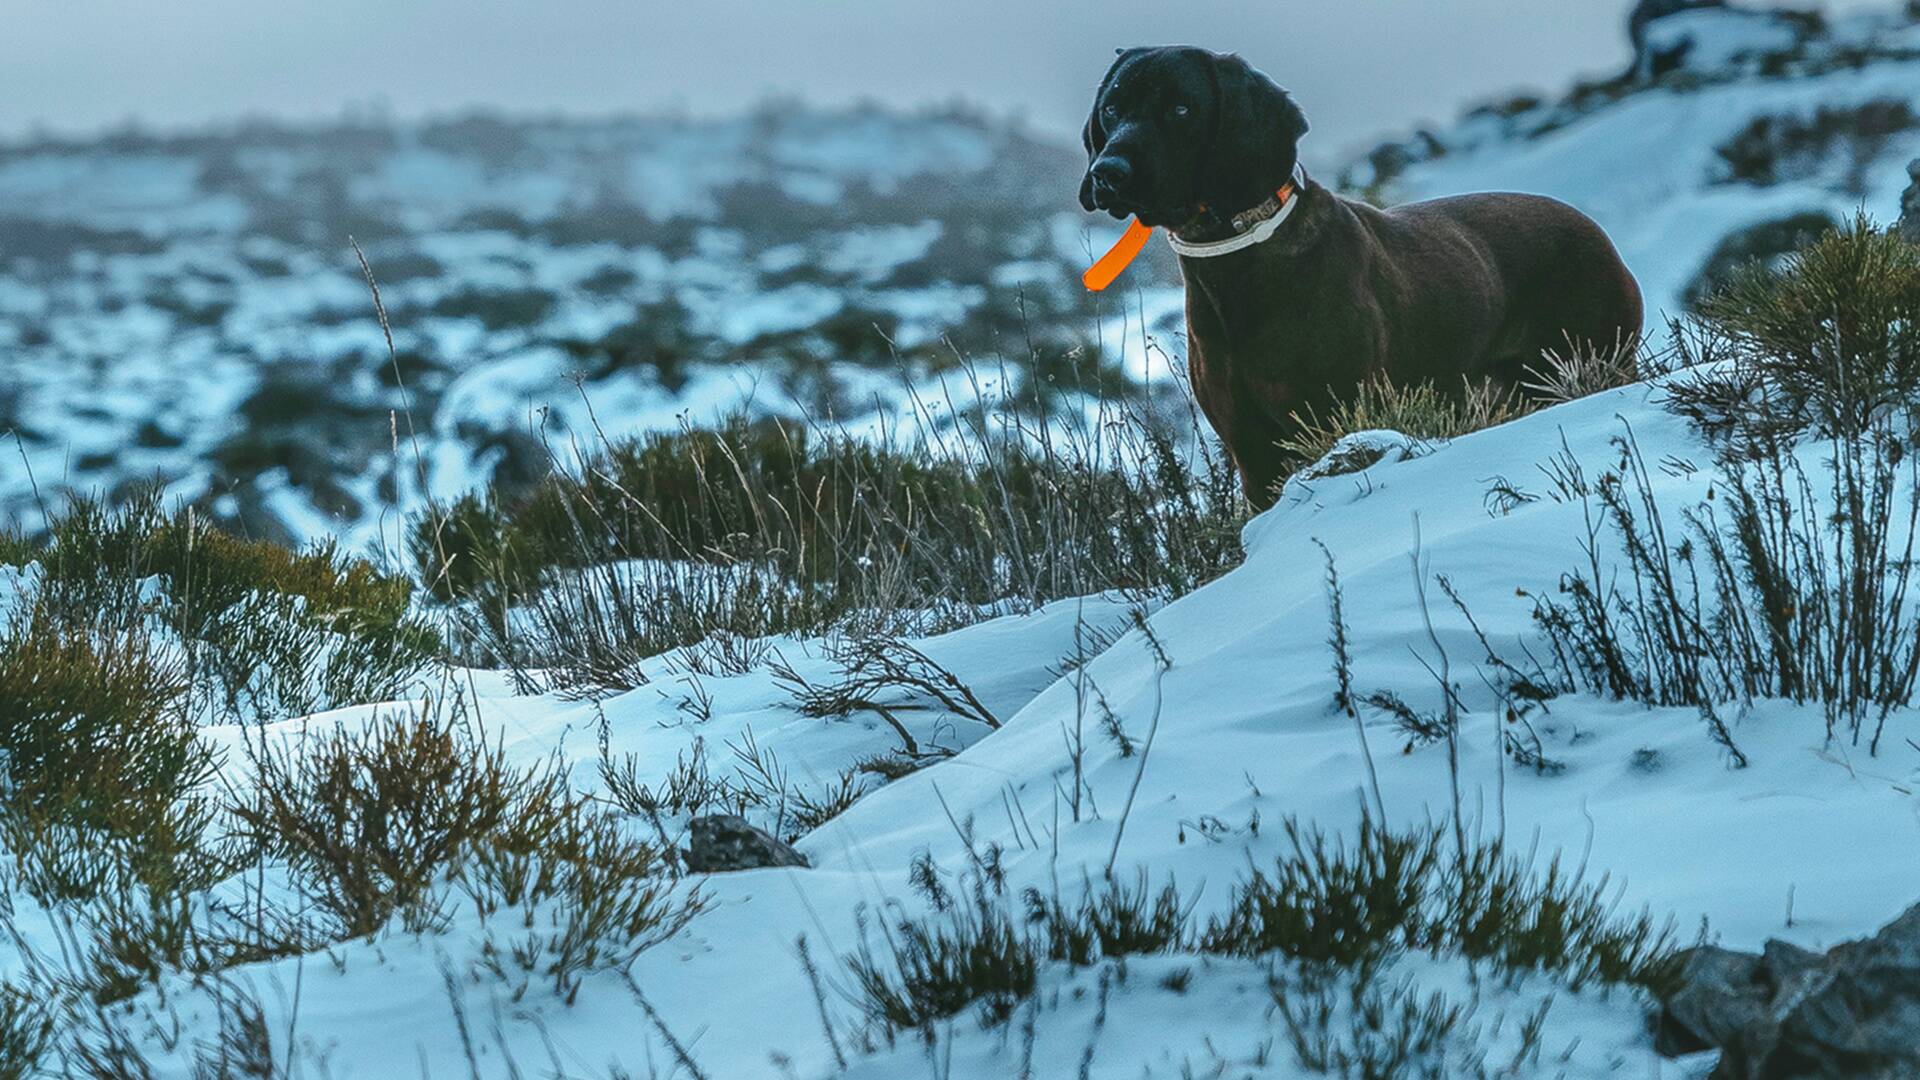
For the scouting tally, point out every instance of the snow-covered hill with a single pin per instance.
(183, 307)
(1233, 734)
(1758, 131)
(186, 307)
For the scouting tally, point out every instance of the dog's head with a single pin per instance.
(1176, 128)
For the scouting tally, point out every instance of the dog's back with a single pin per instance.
(1553, 271)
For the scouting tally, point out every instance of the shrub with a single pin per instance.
(1328, 907)
(268, 632)
(26, 1031)
(1331, 905)
(369, 821)
(1422, 411)
(1389, 1031)
(376, 823)
(1829, 342)
(587, 895)
(1786, 582)
(1111, 922)
(92, 720)
(1777, 588)
(1334, 906)
(931, 970)
(761, 529)
(1772, 146)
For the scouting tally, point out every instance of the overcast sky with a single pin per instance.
(1357, 66)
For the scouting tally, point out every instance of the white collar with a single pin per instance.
(1258, 234)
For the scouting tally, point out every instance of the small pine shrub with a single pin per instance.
(1759, 594)
(1333, 906)
(1829, 341)
(1111, 922)
(1328, 907)
(383, 822)
(1789, 581)
(1421, 411)
(586, 895)
(26, 1033)
(1355, 1027)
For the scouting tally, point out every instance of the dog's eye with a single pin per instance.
(1179, 110)
(1109, 111)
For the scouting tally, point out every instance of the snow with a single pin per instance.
(1246, 735)
(1812, 842)
(1646, 166)
(1713, 39)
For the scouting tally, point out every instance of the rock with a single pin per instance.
(1910, 204)
(724, 842)
(1646, 11)
(1854, 1012)
(1357, 451)
(1722, 992)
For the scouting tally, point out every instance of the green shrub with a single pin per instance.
(1334, 906)
(1329, 908)
(269, 632)
(88, 715)
(931, 970)
(1111, 922)
(589, 896)
(26, 1032)
(379, 823)
(1828, 341)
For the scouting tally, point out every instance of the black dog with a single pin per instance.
(1295, 294)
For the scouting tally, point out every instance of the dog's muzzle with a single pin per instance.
(1109, 176)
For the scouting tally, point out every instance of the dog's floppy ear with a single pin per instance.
(1256, 133)
(1093, 137)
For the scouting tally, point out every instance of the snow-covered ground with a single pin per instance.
(166, 301)
(1812, 842)
(1247, 736)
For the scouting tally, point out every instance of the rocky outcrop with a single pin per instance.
(1646, 11)
(1786, 1012)
(723, 842)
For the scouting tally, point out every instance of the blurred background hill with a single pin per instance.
(179, 300)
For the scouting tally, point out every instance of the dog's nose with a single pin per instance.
(1110, 175)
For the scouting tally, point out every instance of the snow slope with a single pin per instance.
(1645, 158)
(1247, 736)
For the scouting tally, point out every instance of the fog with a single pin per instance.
(1359, 67)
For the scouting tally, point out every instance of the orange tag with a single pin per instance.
(1103, 272)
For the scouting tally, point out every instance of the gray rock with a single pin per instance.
(1646, 11)
(1910, 204)
(722, 842)
(1854, 1012)
(1722, 992)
